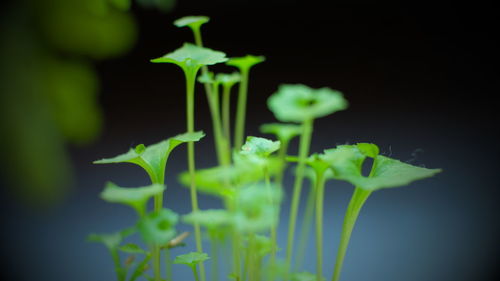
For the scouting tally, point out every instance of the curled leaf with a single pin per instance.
(259, 146)
(153, 158)
(297, 103)
(347, 160)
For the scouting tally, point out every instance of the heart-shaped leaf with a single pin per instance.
(297, 103)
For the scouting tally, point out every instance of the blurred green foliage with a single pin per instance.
(49, 87)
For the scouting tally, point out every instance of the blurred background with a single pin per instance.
(76, 85)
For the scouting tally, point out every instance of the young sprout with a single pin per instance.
(346, 162)
(153, 158)
(300, 104)
(190, 59)
(227, 81)
(112, 242)
(285, 133)
(191, 260)
(136, 198)
(243, 64)
(194, 23)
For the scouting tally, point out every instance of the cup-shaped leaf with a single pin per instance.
(136, 197)
(212, 218)
(246, 62)
(193, 22)
(228, 80)
(261, 147)
(347, 160)
(192, 57)
(284, 132)
(191, 259)
(158, 228)
(153, 158)
(297, 103)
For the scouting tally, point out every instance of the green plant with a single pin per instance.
(248, 180)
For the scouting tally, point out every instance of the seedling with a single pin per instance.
(248, 180)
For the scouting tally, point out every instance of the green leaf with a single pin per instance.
(136, 197)
(158, 228)
(284, 132)
(131, 248)
(297, 103)
(207, 78)
(222, 180)
(191, 259)
(260, 146)
(153, 158)
(111, 240)
(246, 62)
(368, 149)
(212, 218)
(193, 22)
(192, 56)
(228, 80)
(346, 162)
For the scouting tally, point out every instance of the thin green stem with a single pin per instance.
(320, 191)
(223, 154)
(120, 272)
(306, 226)
(305, 142)
(239, 130)
(274, 232)
(214, 259)
(190, 82)
(168, 264)
(281, 156)
(236, 254)
(155, 252)
(357, 200)
(226, 114)
(195, 273)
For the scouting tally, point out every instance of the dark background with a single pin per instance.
(420, 81)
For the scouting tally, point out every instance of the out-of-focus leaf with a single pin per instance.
(136, 197)
(193, 22)
(111, 240)
(284, 132)
(212, 218)
(297, 102)
(158, 228)
(132, 248)
(192, 56)
(191, 259)
(259, 146)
